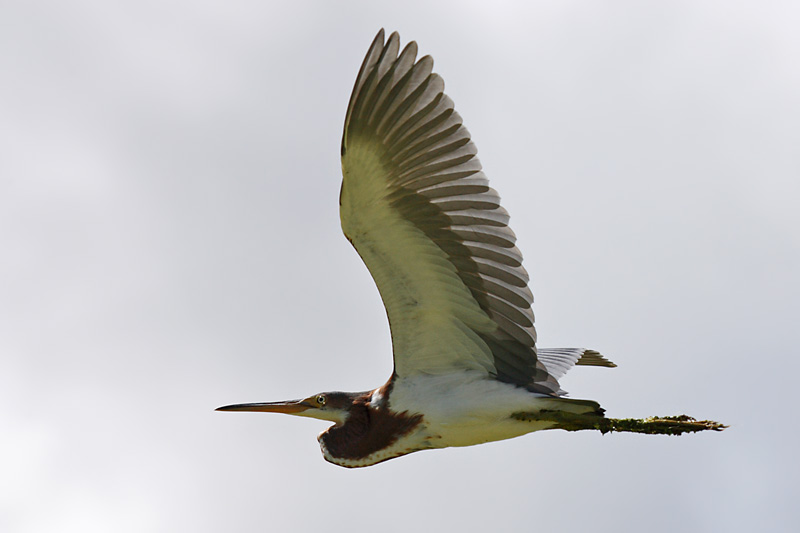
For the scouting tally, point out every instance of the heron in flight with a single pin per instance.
(419, 211)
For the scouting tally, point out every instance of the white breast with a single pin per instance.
(465, 408)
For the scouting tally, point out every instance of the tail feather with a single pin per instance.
(594, 358)
(558, 361)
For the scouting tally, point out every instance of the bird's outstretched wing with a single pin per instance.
(420, 213)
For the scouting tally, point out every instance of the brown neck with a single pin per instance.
(368, 429)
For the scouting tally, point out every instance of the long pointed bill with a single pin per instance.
(290, 408)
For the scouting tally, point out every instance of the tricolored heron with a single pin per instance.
(418, 209)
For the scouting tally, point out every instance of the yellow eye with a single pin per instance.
(321, 400)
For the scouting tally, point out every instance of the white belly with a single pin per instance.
(465, 409)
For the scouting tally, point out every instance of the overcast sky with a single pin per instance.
(170, 243)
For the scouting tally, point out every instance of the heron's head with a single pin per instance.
(332, 406)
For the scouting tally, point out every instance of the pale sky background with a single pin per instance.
(169, 174)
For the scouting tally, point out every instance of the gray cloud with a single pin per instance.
(171, 243)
